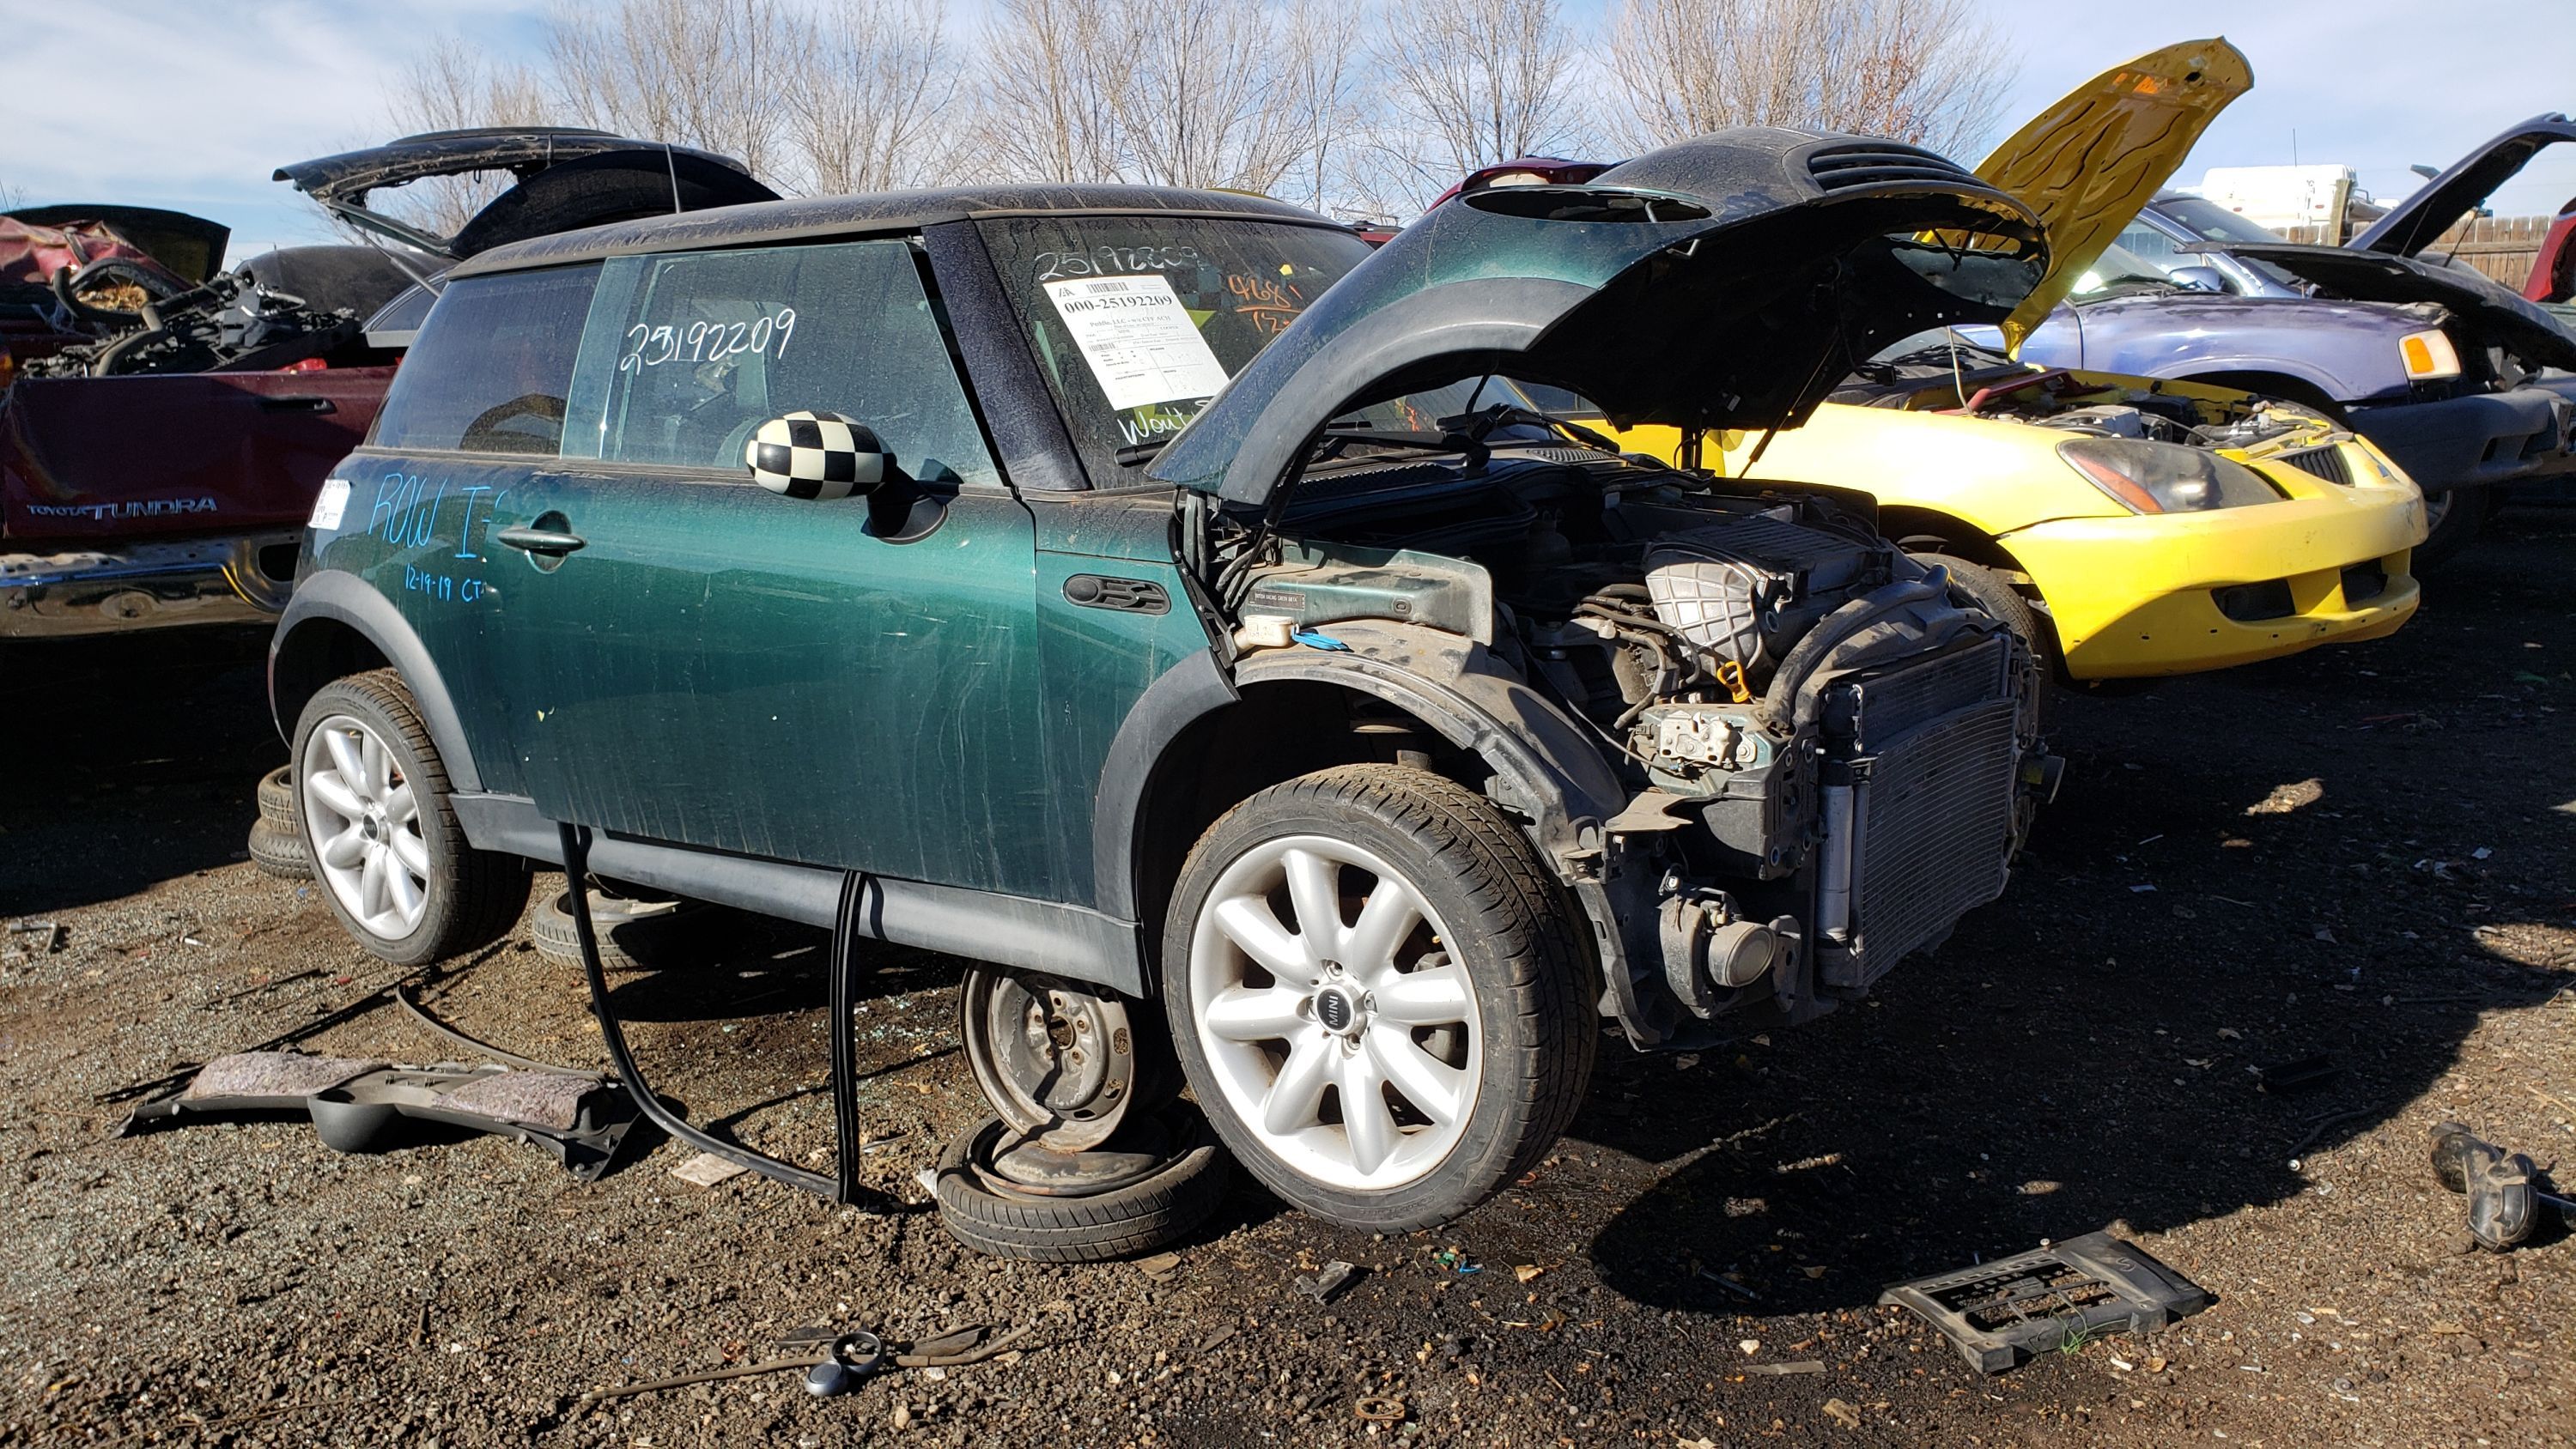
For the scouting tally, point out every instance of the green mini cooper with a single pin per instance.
(1193, 616)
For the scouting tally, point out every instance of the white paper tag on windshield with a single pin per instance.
(333, 502)
(1139, 340)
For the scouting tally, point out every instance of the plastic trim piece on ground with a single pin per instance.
(2049, 1298)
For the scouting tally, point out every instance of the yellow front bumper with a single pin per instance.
(2141, 596)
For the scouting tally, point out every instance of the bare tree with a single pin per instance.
(1469, 83)
(869, 109)
(1226, 93)
(1048, 92)
(703, 73)
(1924, 71)
(451, 88)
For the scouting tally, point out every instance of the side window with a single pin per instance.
(2145, 241)
(687, 355)
(492, 365)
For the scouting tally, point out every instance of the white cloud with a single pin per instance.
(191, 106)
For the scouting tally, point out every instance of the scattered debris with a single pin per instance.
(1329, 1283)
(52, 931)
(706, 1170)
(357, 1105)
(1161, 1268)
(2505, 1190)
(1842, 1413)
(2000, 1312)
(1800, 1366)
(1526, 1271)
(1456, 1261)
(2286, 798)
(1380, 1409)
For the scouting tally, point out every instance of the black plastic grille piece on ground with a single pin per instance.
(2049, 1299)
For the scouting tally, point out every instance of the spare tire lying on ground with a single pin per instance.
(989, 1213)
(278, 850)
(635, 932)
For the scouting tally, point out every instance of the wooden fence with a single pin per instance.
(2500, 246)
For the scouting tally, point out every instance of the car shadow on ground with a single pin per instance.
(133, 760)
(2313, 867)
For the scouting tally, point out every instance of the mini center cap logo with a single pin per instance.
(1333, 1009)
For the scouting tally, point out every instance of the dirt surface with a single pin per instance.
(2367, 853)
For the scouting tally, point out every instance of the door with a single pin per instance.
(700, 661)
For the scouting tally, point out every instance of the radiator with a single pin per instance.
(1937, 753)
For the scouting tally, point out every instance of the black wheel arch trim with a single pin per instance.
(346, 600)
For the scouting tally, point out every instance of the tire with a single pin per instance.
(2457, 515)
(1992, 593)
(1134, 1219)
(466, 897)
(1995, 594)
(277, 798)
(278, 851)
(1501, 1034)
(634, 934)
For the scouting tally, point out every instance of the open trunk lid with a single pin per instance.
(568, 178)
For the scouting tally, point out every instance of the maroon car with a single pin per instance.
(167, 427)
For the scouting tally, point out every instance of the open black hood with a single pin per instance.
(568, 178)
(1730, 281)
(2498, 315)
(2413, 224)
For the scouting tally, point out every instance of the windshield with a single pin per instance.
(2118, 270)
(1136, 321)
(2210, 221)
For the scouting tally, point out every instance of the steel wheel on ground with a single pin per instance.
(1378, 994)
(1059, 1060)
(383, 838)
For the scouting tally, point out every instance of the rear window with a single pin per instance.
(492, 366)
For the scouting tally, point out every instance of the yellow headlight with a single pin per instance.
(2429, 355)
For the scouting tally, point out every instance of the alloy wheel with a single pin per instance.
(1344, 1035)
(362, 824)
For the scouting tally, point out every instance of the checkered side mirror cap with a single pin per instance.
(806, 454)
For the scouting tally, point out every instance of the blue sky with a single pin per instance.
(193, 103)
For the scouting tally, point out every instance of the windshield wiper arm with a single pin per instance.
(1136, 453)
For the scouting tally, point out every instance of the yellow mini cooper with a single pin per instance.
(2133, 528)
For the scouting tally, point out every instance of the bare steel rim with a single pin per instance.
(362, 825)
(1336, 1021)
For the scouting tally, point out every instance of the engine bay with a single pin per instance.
(1655, 604)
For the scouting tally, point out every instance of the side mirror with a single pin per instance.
(815, 455)
(2198, 279)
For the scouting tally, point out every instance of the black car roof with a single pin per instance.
(807, 218)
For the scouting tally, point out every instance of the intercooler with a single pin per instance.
(1931, 758)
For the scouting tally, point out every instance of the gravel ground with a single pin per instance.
(2364, 853)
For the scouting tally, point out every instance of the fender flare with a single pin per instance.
(1546, 769)
(346, 600)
